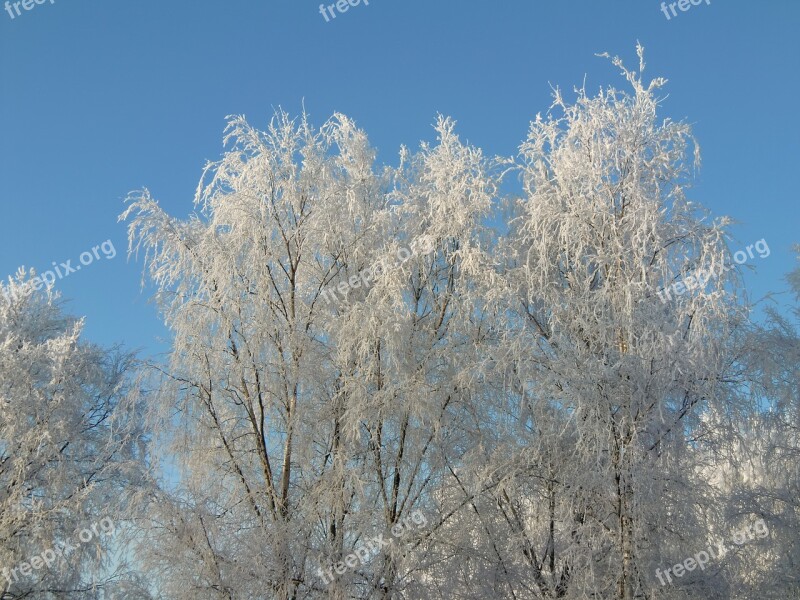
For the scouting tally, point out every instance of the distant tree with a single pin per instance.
(69, 449)
(763, 473)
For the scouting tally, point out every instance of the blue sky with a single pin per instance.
(101, 97)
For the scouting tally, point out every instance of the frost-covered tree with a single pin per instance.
(316, 304)
(69, 448)
(763, 473)
(606, 378)
(548, 382)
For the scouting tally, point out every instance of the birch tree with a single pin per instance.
(69, 446)
(763, 476)
(607, 379)
(307, 418)
(544, 383)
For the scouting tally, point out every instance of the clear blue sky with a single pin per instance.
(100, 97)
